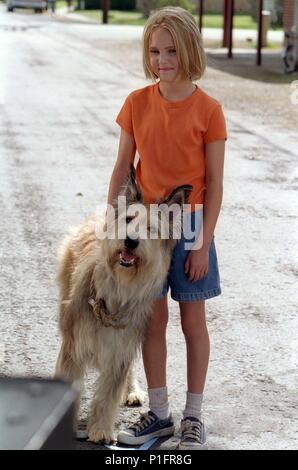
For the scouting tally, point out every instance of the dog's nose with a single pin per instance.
(130, 243)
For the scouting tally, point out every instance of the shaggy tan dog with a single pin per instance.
(107, 287)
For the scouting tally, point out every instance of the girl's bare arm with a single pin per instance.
(215, 152)
(126, 155)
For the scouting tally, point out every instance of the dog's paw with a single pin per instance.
(95, 434)
(135, 398)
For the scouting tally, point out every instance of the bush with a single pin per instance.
(126, 5)
(175, 3)
(146, 6)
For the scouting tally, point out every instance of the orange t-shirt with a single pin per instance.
(170, 138)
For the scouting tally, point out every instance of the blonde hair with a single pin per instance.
(187, 39)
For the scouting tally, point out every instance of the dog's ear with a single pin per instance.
(174, 211)
(131, 190)
(179, 195)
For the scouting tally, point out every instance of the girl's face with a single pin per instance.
(162, 54)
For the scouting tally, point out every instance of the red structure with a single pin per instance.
(228, 14)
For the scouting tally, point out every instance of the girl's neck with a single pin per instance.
(176, 91)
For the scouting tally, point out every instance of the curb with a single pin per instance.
(64, 13)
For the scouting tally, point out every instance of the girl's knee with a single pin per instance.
(193, 326)
(157, 327)
(159, 318)
(192, 314)
(194, 332)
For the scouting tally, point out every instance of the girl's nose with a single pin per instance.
(162, 57)
(163, 63)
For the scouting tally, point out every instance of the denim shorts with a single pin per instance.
(182, 289)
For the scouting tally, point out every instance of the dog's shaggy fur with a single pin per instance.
(106, 292)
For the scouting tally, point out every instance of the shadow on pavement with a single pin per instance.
(244, 65)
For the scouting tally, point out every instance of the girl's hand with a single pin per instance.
(196, 264)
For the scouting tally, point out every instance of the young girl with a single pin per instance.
(179, 132)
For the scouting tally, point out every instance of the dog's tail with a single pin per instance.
(65, 265)
(64, 275)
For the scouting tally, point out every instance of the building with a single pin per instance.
(290, 15)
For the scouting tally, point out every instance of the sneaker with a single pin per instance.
(193, 434)
(149, 425)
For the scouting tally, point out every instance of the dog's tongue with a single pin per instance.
(127, 255)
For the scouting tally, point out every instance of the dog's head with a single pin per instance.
(141, 236)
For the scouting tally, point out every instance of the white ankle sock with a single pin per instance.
(159, 402)
(193, 405)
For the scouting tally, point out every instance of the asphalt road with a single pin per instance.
(61, 86)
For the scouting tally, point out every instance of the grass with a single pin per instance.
(240, 21)
(60, 4)
(136, 18)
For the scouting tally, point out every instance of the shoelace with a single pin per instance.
(144, 421)
(191, 430)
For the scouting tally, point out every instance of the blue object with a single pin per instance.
(144, 446)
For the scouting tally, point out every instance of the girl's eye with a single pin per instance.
(172, 51)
